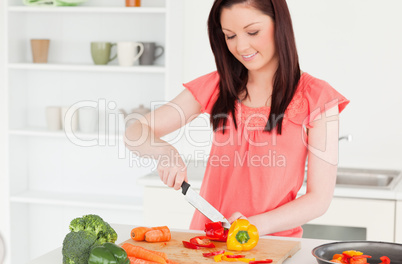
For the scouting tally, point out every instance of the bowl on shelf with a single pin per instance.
(375, 249)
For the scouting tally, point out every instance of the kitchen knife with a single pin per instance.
(202, 205)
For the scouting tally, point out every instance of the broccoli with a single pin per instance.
(86, 232)
(77, 247)
(95, 224)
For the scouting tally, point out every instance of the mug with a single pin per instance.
(129, 52)
(101, 52)
(150, 53)
(88, 119)
(53, 118)
(69, 119)
(40, 50)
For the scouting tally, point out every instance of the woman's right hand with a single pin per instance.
(172, 170)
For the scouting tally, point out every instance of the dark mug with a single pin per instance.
(151, 53)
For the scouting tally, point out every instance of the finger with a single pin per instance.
(235, 216)
(164, 176)
(181, 176)
(171, 178)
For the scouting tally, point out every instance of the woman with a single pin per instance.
(267, 117)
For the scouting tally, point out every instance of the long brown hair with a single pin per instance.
(233, 74)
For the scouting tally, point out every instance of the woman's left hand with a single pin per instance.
(236, 216)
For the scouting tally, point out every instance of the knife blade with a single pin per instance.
(202, 205)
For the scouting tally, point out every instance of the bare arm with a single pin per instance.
(321, 177)
(143, 137)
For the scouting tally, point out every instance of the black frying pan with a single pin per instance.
(325, 252)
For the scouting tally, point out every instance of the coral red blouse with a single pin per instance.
(252, 171)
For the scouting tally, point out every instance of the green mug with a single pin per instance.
(101, 52)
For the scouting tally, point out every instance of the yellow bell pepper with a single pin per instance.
(247, 260)
(218, 258)
(352, 253)
(242, 235)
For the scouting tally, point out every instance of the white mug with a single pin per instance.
(128, 53)
(69, 119)
(88, 119)
(53, 118)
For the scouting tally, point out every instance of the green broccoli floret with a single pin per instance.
(86, 232)
(77, 224)
(95, 224)
(77, 247)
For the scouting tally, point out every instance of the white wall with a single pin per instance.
(4, 221)
(355, 45)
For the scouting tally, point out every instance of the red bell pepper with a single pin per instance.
(202, 241)
(210, 254)
(215, 231)
(190, 245)
(235, 256)
(261, 261)
(385, 260)
(361, 256)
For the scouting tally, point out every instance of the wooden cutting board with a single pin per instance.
(277, 250)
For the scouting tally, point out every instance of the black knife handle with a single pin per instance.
(184, 187)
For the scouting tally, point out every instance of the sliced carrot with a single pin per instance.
(158, 234)
(134, 260)
(169, 261)
(160, 228)
(142, 253)
(138, 233)
(159, 253)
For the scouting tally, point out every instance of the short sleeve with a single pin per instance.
(314, 97)
(205, 90)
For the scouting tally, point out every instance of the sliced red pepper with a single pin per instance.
(215, 231)
(235, 256)
(346, 257)
(261, 261)
(190, 245)
(202, 241)
(360, 257)
(385, 260)
(210, 254)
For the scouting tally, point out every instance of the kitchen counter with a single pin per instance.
(303, 256)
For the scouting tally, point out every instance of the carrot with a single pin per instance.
(159, 253)
(158, 234)
(171, 262)
(160, 228)
(138, 233)
(142, 253)
(134, 260)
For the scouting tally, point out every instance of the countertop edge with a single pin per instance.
(303, 256)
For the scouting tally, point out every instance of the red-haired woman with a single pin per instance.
(267, 116)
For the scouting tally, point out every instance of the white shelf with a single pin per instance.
(85, 9)
(85, 67)
(113, 202)
(43, 132)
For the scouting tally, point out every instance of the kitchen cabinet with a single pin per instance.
(376, 216)
(398, 222)
(53, 177)
(171, 208)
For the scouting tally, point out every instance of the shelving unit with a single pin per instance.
(86, 68)
(90, 10)
(51, 178)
